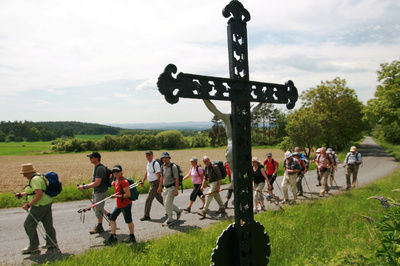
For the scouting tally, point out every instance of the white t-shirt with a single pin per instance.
(152, 172)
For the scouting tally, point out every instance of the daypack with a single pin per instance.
(160, 163)
(134, 192)
(273, 164)
(327, 156)
(53, 184)
(356, 154)
(109, 177)
(180, 174)
(222, 168)
(306, 163)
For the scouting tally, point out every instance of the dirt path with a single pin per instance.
(73, 236)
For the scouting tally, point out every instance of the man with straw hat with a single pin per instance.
(352, 161)
(39, 210)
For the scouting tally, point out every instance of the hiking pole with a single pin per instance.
(308, 187)
(109, 197)
(90, 198)
(41, 229)
(209, 193)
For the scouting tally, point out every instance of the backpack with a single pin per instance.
(273, 164)
(180, 174)
(134, 192)
(306, 163)
(222, 168)
(356, 154)
(327, 156)
(160, 163)
(109, 177)
(53, 184)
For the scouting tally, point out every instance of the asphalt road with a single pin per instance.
(73, 235)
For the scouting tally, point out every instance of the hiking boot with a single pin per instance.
(318, 185)
(202, 213)
(263, 208)
(97, 229)
(300, 194)
(130, 239)
(285, 201)
(226, 204)
(202, 207)
(178, 214)
(167, 223)
(188, 209)
(145, 218)
(53, 250)
(29, 250)
(269, 197)
(111, 240)
(221, 210)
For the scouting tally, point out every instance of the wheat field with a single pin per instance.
(76, 168)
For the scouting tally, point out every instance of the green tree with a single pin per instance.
(2, 136)
(304, 130)
(338, 111)
(217, 133)
(385, 107)
(171, 139)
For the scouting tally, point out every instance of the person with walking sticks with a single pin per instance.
(124, 205)
(39, 210)
(153, 174)
(100, 189)
(271, 169)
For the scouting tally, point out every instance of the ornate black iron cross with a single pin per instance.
(244, 242)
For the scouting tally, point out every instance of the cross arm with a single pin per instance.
(214, 88)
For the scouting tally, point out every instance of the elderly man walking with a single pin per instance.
(213, 175)
(153, 174)
(292, 167)
(352, 161)
(170, 182)
(324, 163)
(39, 204)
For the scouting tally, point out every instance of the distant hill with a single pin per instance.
(188, 125)
(82, 128)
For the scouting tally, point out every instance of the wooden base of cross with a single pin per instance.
(244, 242)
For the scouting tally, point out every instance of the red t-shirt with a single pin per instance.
(121, 202)
(270, 167)
(228, 170)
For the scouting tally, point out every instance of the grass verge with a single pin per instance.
(331, 231)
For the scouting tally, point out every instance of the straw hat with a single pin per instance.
(353, 148)
(255, 159)
(27, 169)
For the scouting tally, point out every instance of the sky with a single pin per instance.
(99, 60)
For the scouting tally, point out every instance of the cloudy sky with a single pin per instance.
(98, 61)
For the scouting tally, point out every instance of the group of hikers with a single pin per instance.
(163, 178)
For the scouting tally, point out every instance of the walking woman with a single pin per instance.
(259, 178)
(197, 174)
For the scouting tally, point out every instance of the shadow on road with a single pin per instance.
(368, 150)
(47, 257)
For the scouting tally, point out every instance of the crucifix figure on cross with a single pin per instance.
(244, 242)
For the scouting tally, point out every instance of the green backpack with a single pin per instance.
(134, 192)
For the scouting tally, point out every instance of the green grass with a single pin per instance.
(332, 231)
(393, 149)
(25, 148)
(93, 137)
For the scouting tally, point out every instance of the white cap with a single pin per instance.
(288, 154)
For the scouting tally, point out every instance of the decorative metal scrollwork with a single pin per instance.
(205, 87)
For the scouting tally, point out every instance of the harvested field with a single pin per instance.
(76, 168)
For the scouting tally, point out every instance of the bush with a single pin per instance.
(171, 139)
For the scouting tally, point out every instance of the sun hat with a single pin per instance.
(116, 168)
(205, 157)
(288, 154)
(165, 155)
(255, 159)
(27, 168)
(353, 148)
(149, 152)
(269, 154)
(194, 159)
(318, 150)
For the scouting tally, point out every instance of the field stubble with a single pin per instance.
(75, 168)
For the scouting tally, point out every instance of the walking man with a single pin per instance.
(124, 205)
(100, 189)
(39, 204)
(334, 167)
(153, 174)
(300, 174)
(324, 163)
(213, 175)
(318, 172)
(292, 167)
(170, 181)
(352, 161)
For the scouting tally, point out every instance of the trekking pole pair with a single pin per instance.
(101, 201)
(209, 193)
(90, 198)
(40, 228)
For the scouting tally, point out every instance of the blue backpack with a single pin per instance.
(54, 186)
